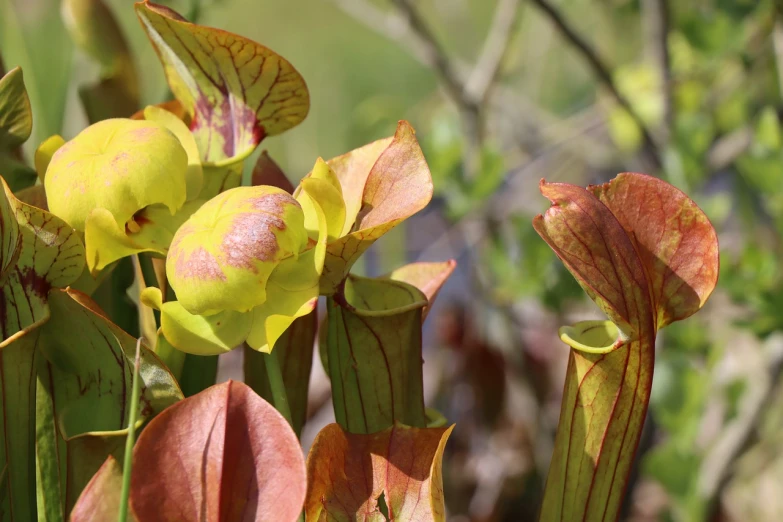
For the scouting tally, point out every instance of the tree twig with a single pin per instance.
(601, 71)
(435, 55)
(468, 88)
(655, 16)
(495, 50)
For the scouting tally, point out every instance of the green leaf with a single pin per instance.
(373, 341)
(427, 277)
(16, 116)
(39, 252)
(16, 124)
(199, 372)
(84, 397)
(236, 91)
(17, 438)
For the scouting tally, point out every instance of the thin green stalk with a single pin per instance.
(147, 270)
(131, 438)
(150, 278)
(276, 384)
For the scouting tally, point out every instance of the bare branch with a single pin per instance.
(656, 15)
(389, 24)
(435, 55)
(495, 50)
(601, 71)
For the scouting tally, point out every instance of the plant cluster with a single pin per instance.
(219, 264)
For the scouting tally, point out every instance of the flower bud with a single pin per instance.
(120, 165)
(222, 256)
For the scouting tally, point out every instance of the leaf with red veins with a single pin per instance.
(604, 405)
(40, 252)
(383, 184)
(647, 255)
(83, 395)
(674, 239)
(347, 473)
(427, 277)
(373, 354)
(235, 91)
(587, 237)
(223, 454)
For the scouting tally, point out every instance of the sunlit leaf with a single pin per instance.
(39, 252)
(44, 153)
(152, 230)
(248, 237)
(382, 183)
(236, 91)
(348, 473)
(120, 165)
(223, 454)
(647, 255)
(674, 239)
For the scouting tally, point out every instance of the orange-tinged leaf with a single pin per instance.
(352, 169)
(427, 277)
(236, 91)
(347, 473)
(674, 239)
(587, 237)
(222, 455)
(394, 182)
(647, 255)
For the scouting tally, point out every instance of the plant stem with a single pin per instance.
(150, 278)
(148, 271)
(131, 438)
(276, 384)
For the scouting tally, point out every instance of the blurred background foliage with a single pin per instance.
(503, 93)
